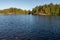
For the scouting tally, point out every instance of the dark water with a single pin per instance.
(29, 27)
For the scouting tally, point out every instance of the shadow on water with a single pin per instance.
(29, 27)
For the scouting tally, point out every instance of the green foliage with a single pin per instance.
(50, 9)
(14, 11)
(35, 10)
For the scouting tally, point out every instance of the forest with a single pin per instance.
(14, 11)
(47, 9)
(50, 9)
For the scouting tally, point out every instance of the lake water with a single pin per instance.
(29, 27)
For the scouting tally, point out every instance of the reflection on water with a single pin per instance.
(29, 27)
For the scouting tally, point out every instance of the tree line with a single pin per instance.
(50, 9)
(14, 11)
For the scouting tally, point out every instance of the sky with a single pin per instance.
(25, 4)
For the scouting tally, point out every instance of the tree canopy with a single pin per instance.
(14, 11)
(50, 9)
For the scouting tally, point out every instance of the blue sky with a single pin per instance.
(25, 4)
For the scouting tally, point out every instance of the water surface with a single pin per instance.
(29, 27)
